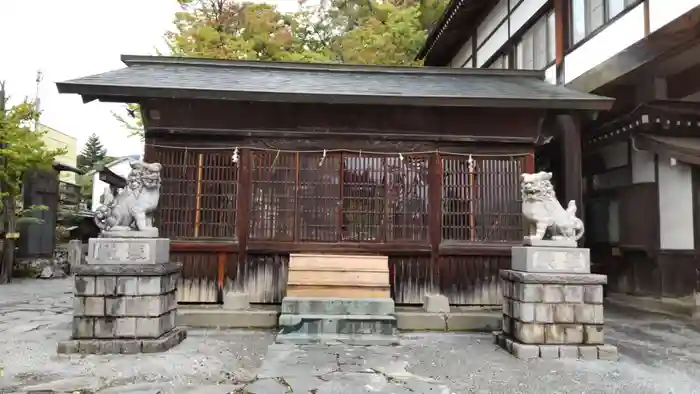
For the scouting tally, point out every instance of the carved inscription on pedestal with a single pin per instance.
(558, 260)
(133, 252)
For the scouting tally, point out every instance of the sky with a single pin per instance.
(70, 39)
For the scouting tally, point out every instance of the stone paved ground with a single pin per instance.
(660, 355)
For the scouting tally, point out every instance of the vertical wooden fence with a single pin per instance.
(445, 221)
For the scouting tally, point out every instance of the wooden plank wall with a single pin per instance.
(446, 222)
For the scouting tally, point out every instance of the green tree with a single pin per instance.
(21, 150)
(388, 35)
(134, 123)
(93, 152)
(341, 31)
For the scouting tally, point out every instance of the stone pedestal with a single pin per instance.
(125, 299)
(305, 320)
(555, 311)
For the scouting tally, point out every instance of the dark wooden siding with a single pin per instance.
(332, 121)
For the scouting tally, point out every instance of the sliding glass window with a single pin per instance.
(589, 15)
(536, 49)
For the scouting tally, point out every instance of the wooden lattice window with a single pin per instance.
(408, 198)
(273, 183)
(198, 193)
(176, 208)
(364, 203)
(481, 199)
(217, 191)
(319, 194)
(339, 197)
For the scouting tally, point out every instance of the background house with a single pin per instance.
(641, 160)
(55, 139)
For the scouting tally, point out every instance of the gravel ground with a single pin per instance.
(35, 315)
(659, 355)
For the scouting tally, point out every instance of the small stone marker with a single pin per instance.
(235, 301)
(436, 303)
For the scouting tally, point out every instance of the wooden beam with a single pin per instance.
(324, 133)
(570, 129)
(434, 216)
(213, 246)
(683, 84)
(221, 275)
(243, 206)
(561, 36)
(647, 51)
(198, 202)
(394, 248)
(561, 16)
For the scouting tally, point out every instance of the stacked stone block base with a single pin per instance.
(124, 309)
(553, 315)
(551, 352)
(346, 320)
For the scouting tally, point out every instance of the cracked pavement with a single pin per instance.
(659, 355)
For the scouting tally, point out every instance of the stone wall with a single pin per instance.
(124, 306)
(553, 316)
(553, 313)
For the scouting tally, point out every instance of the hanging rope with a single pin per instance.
(325, 152)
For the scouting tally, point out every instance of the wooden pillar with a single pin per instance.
(243, 205)
(434, 217)
(561, 35)
(570, 132)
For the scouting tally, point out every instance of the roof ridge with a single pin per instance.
(137, 60)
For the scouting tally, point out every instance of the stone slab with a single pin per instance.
(328, 339)
(553, 278)
(533, 351)
(123, 346)
(560, 243)
(337, 306)
(128, 269)
(473, 321)
(221, 318)
(421, 321)
(150, 233)
(128, 251)
(551, 259)
(338, 324)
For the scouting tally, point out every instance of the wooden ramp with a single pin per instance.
(346, 276)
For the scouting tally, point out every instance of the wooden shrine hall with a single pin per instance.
(262, 160)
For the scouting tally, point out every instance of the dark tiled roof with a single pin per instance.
(452, 30)
(324, 83)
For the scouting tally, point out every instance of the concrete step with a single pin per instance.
(337, 306)
(338, 324)
(330, 339)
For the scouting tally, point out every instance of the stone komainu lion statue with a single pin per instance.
(543, 212)
(133, 207)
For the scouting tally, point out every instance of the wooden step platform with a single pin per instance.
(343, 276)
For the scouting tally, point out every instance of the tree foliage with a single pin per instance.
(387, 32)
(21, 150)
(93, 152)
